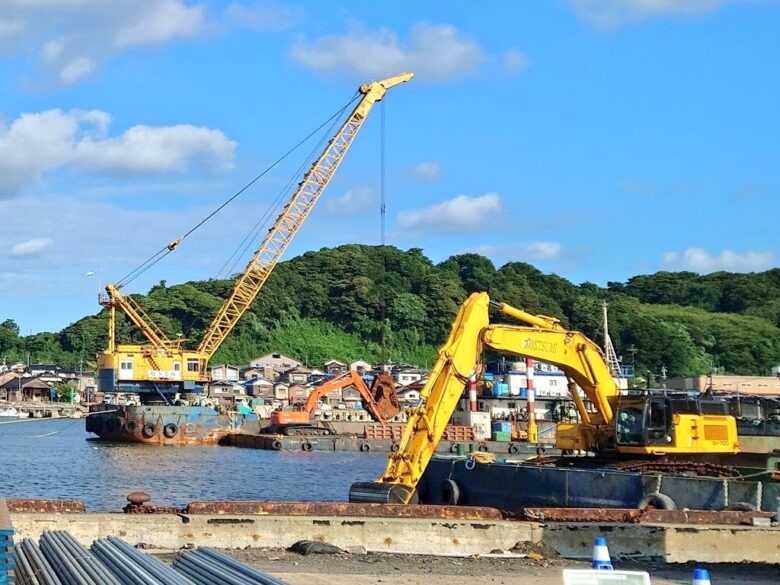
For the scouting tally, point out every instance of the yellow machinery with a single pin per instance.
(616, 426)
(162, 365)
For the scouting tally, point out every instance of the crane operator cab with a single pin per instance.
(661, 423)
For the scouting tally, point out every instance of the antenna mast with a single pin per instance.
(609, 349)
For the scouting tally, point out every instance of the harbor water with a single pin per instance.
(53, 458)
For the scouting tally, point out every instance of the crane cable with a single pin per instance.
(243, 247)
(167, 249)
(246, 243)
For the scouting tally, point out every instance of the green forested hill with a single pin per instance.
(328, 304)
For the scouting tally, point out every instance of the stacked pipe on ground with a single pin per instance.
(133, 567)
(72, 563)
(208, 567)
(32, 568)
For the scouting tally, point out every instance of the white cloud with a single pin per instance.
(73, 37)
(31, 247)
(461, 213)
(538, 251)
(353, 201)
(264, 16)
(515, 61)
(433, 52)
(426, 171)
(610, 14)
(701, 261)
(523, 252)
(36, 143)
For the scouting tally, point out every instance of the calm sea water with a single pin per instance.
(53, 459)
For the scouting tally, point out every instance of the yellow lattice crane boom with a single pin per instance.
(646, 426)
(162, 365)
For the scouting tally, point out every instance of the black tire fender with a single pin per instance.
(276, 445)
(170, 430)
(658, 501)
(306, 446)
(131, 427)
(365, 447)
(394, 447)
(512, 449)
(450, 492)
(454, 448)
(483, 448)
(540, 450)
(149, 430)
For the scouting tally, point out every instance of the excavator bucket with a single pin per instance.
(385, 403)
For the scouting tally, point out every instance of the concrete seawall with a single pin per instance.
(450, 537)
(397, 535)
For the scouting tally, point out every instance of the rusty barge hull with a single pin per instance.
(167, 425)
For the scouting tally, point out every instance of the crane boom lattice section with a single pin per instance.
(137, 315)
(279, 237)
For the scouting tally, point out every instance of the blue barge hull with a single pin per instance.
(513, 486)
(167, 425)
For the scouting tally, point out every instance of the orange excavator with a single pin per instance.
(379, 400)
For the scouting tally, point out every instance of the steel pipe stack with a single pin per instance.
(72, 563)
(133, 567)
(32, 568)
(208, 567)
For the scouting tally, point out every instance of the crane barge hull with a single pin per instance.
(167, 425)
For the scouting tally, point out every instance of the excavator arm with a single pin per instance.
(292, 217)
(458, 360)
(380, 404)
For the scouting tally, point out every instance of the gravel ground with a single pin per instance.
(390, 569)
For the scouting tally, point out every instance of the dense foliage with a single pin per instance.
(344, 302)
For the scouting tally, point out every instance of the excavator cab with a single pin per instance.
(644, 421)
(661, 423)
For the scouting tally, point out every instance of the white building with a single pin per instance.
(360, 366)
(275, 360)
(225, 373)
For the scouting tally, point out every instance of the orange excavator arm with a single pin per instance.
(379, 401)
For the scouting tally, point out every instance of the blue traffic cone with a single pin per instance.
(701, 577)
(601, 558)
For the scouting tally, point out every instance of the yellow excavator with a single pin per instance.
(612, 426)
(163, 366)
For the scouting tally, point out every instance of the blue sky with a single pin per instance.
(597, 139)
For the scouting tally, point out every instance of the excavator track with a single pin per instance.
(698, 468)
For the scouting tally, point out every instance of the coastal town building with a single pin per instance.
(360, 366)
(334, 367)
(226, 373)
(275, 360)
(728, 384)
